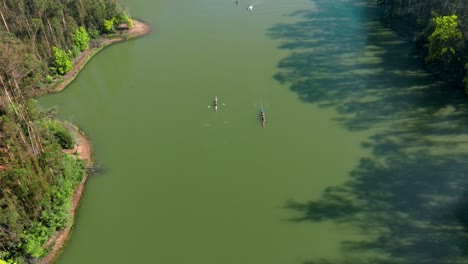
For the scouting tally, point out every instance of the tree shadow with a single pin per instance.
(411, 193)
(417, 205)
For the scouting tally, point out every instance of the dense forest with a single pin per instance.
(38, 41)
(440, 29)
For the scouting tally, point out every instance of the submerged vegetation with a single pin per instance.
(38, 41)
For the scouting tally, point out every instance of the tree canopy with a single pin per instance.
(81, 38)
(446, 40)
(40, 25)
(39, 39)
(440, 29)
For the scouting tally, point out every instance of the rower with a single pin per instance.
(250, 7)
(262, 114)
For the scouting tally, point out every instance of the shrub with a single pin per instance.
(123, 18)
(62, 62)
(81, 38)
(60, 133)
(445, 40)
(49, 79)
(109, 25)
(93, 33)
(74, 51)
(72, 170)
(7, 262)
(34, 237)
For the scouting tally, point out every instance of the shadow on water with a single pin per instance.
(411, 195)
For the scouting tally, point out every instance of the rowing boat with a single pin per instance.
(215, 103)
(262, 117)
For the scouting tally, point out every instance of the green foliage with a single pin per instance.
(15, 178)
(18, 61)
(56, 214)
(439, 27)
(34, 238)
(31, 28)
(60, 133)
(74, 52)
(123, 18)
(109, 25)
(49, 79)
(47, 200)
(72, 170)
(81, 39)
(62, 62)
(37, 179)
(94, 33)
(7, 262)
(445, 39)
(57, 210)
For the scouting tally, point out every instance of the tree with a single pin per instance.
(62, 135)
(37, 179)
(62, 62)
(123, 18)
(445, 40)
(81, 38)
(17, 61)
(109, 25)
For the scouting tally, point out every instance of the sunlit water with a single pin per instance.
(361, 160)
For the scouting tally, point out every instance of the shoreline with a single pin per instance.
(83, 146)
(139, 29)
(58, 240)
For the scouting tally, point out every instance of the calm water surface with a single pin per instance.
(362, 159)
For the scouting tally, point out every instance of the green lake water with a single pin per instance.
(362, 159)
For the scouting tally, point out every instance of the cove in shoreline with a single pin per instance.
(83, 148)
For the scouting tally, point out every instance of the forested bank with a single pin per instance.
(440, 29)
(38, 41)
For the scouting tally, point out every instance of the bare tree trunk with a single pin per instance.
(33, 146)
(52, 32)
(36, 138)
(63, 21)
(8, 95)
(46, 39)
(19, 94)
(24, 141)
(33, 139)
(34, 151)
(4, 22)
(82, 12)
(32, 36)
